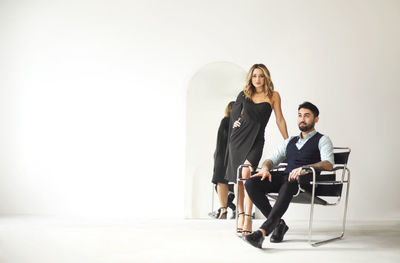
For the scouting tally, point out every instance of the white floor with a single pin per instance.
(42, 240)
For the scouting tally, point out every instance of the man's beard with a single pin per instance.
(306, 127)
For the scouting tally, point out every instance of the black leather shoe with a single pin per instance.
(255, 239)
(279, 232)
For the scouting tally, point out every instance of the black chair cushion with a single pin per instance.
(302, 198)
(321, 190)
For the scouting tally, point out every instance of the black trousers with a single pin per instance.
(258, 189)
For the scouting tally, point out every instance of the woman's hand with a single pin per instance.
(236, 124)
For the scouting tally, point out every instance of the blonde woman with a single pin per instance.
(249, 117)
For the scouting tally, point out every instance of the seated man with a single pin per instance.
(309, 148)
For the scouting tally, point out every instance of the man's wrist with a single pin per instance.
(266, 164)
(305, 169)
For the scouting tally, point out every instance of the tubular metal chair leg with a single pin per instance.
(344, 216)
(311, 216)
(318, 243)
(237, 199)
(346, 202)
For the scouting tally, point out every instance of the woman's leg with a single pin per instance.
(247, 224)
(244, 221)
(223, 191)
(239, 195)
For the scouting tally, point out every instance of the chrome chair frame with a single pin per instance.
(345, 180)
(314, 183)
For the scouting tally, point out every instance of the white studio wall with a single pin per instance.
(93, 96)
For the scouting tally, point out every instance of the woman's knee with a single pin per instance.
(246, 173)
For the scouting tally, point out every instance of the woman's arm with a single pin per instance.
(237, 107)
(222, 136)
(236, 112)
(280, 120)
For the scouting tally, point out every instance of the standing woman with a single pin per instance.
(220, 164)
(249, 117)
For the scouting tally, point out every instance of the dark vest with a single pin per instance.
(308, 154)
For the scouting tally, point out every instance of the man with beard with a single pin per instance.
(310, 149)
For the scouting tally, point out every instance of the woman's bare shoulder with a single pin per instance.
(275, 93)
(275, 97)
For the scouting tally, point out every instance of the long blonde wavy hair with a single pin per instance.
(228, 109)
(249, 89)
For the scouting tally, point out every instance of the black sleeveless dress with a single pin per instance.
(247, 141)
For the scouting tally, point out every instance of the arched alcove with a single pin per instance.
(209, 91)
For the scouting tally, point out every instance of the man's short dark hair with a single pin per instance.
(310, 106)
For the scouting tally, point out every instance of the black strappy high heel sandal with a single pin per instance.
(224, 214)
(240, 230)
(246, 232)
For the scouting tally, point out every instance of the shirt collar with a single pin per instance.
(309, 135)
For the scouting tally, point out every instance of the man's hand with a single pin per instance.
(295, 173)
(263, 173)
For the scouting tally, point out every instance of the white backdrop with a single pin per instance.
(92, 95)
